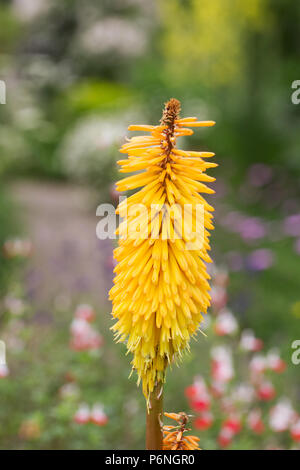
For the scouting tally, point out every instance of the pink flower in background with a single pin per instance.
(198, 395)
(204, 421)
(266, 391)
(230, 400)
(295, 431)
(198, 388)
(225, 437)
(251, 228)
(85, 312)
(221, 367)
(260, 174)
(227, 404)
(232, 220)
(225, 323)
(82, 415)
(243, 393)
(217, 389)
(282, 416)
(218, 297)
(98, 415)
(291, 225)
(260, 259)
(255, 422)
(249, 342)
(233, 422)
(257, 365)
(84, 336)
(274, 362)
(4, 371)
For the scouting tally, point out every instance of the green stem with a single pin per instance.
(154, 435)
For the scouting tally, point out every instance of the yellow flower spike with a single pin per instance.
(161, 288)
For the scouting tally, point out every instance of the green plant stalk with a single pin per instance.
(154, 434)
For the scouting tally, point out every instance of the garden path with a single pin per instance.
(68, 263)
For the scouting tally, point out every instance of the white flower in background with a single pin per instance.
(243, 393)
(69, 390)
(41, 71)
(83, 414)
(222, 365)
(275, 362)
(255, 422)
(83, 336)
(4, 371)
(98, 416)
(28, 118)
(28, 10)
(225, 323)
(88, 146)
(249, 342)
(258, 364)
(114, 35)
(282, 416)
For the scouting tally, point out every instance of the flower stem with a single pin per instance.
(154, 435)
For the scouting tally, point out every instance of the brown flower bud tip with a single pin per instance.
(171, 112)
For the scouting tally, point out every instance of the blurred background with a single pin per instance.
(76, 75)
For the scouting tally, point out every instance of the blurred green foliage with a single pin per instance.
(99, 96)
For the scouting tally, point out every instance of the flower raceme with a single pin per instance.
(161, 286)
(174, 436)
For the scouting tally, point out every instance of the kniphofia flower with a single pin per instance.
(161, 287)
(175, 437)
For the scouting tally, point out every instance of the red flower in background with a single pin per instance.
(225, 437)
(83, 335)
(233, 423)
(95, 415)
(82, 415)
(249, 342)
(204, 421)
(255, 422)
(231, 400)
(198, 396)
(275, 363)
(98, 416)
(295, 431)
(225, 323)
(4, 371)
(266, 391)
(85, 312)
